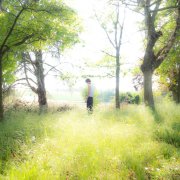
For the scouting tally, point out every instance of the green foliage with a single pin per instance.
(39, 25)
(9, 66)
(131, 98)
(165, 22)
(169, 69)
(109, 144)
(61, 22)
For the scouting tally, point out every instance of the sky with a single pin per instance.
(93, 41)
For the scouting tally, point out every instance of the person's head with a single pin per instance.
(88, 81)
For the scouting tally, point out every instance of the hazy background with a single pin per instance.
(76, 62)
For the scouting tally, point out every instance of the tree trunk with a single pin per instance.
(117, 81)
(1, 79)
(147, 69)
(1, 5)
(41, 91)
(148, 93)
(175, 96)
(178, 88)
(1, 96)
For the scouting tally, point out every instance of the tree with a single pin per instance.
(38, 71)
(153, 60)
(23, 24)
(154, 57)
(114, 34)
(13, 33)
(63, 35)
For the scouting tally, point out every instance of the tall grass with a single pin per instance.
(109, 144)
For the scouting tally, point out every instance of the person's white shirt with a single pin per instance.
(90, 90)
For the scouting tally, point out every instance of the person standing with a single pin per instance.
(90, 93)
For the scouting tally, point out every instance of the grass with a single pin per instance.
(110, 144)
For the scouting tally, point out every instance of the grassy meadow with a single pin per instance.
(107, 145)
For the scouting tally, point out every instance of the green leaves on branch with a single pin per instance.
(31, 25)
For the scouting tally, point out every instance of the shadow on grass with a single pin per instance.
(169, 127)
(157, 116)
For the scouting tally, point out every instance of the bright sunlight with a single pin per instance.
(89, 89)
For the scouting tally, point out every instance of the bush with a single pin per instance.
(131, 98)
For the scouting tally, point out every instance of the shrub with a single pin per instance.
(131, 98)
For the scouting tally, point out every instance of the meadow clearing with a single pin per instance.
(109, 144)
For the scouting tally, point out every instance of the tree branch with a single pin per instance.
(108, 54)
(116, 24)
(27, 79)
(162, 54)
(105, 30)
(11, 29)
(22, 79)
(52, 67)
(165, 8)
(122, 28)
(23, 40)
(156, 10)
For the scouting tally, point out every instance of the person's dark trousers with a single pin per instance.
(90, 104)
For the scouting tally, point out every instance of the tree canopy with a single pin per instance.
(32, 25)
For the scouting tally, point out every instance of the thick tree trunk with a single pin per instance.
(148, 93)
(1, 96)
(147, 69)
(41, 91)
(117, 81)
(149, 59)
